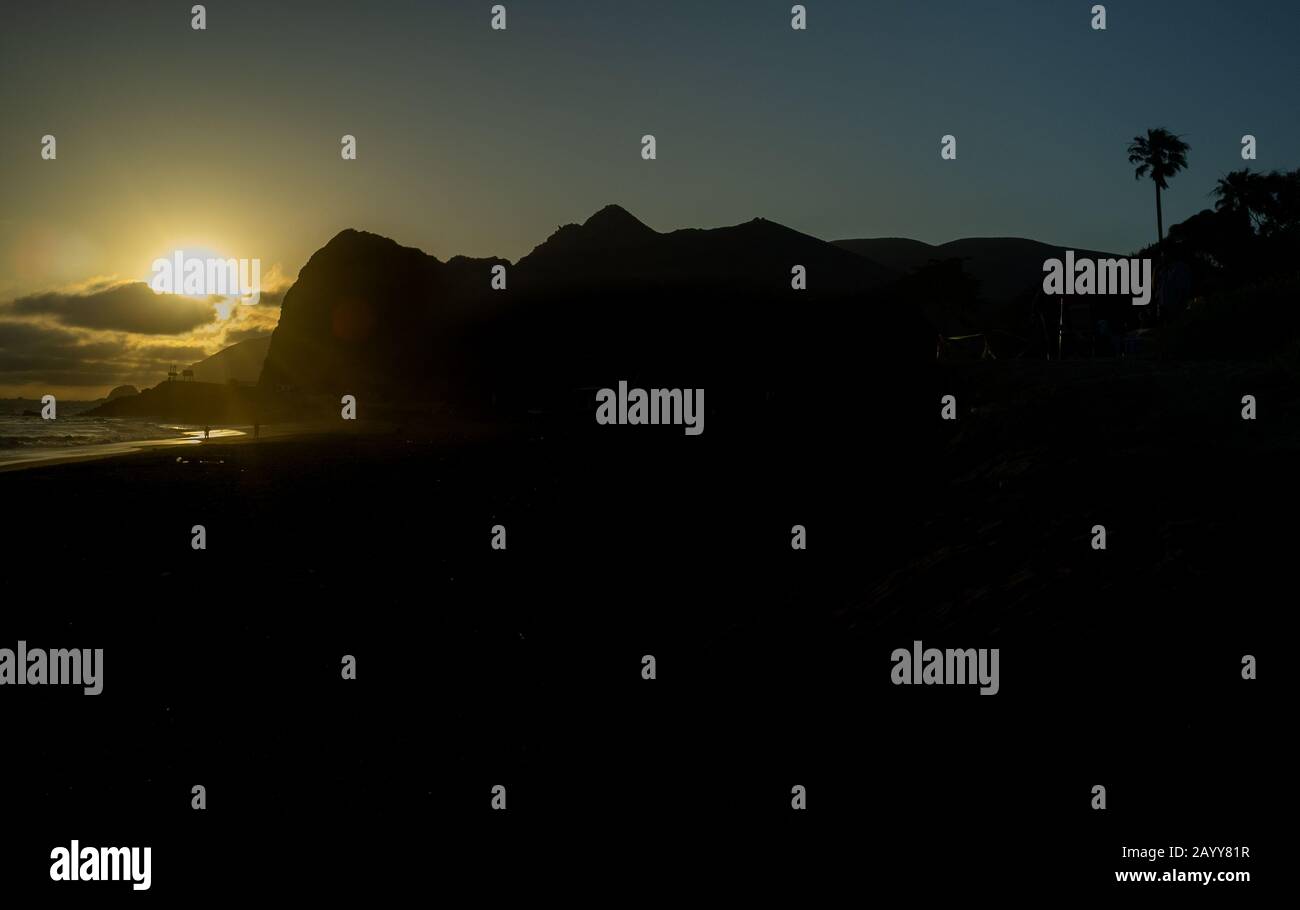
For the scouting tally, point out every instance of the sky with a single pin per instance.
(480, 142)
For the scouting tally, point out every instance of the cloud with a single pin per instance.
(102, 332)
(248, 322)
(128, 307)
(275, 284)
(34, 353)
(174, 353)
(234, 337)
(31, 351)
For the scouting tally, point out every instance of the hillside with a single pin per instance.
(1007, 268)
(594, 303)
(240, 362)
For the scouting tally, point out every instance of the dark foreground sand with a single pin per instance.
(773, 665)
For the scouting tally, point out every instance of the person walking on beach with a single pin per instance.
(207, 431)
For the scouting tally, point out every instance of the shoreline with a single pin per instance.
(240, 435)
(97, 452)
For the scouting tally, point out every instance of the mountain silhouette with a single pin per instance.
(607, 300)
(616, 226)
(757, 254)
(369, 315)
(240, 362)
(1007, 268)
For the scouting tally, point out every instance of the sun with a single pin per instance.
(197, 272)
(180, 253)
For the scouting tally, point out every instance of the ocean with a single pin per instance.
(25, 436)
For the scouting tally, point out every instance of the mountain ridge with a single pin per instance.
(1006, 267)
(593, 302)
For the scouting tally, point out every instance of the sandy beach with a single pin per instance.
(774, 663)
(20, 459)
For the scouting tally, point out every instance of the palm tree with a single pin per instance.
(1270, 202)
(1234, 191)
(1159, 154)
